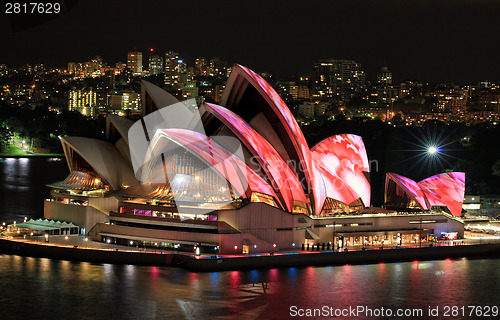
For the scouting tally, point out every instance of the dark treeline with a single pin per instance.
(44, 126)
(391, 147)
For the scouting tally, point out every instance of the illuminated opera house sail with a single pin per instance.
(444, 191)
(239, 176)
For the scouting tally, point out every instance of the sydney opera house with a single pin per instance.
(238, 178)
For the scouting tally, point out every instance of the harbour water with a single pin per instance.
(23, 185)
(35, 288)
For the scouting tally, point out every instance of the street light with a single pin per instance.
(420, 234)
(333, 236)
(432, 155)
(433, 150)
(197, 249)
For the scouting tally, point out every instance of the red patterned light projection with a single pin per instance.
(283, 179)
(228, 165)
(411, 188)
(344, 157)
(445, 190)
(291, 126)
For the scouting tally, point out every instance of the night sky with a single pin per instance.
(429, 40)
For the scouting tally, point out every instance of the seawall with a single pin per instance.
(341, 258)
(287, 260)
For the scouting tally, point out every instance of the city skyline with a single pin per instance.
(369, 77)
(415, 40)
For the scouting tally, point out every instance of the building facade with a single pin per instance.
(134, 62)
(337, 79)
(155, 64)
(83, 101)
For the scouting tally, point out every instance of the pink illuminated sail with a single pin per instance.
(410, 187)
(293, 137)
(283, 179)
(344, 157)
(237, 173)
(445, 189)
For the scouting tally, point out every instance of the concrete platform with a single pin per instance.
(89, 254)
(205, 264)
(103, 253)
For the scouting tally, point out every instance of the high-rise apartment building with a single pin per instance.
(217, 67)
(87, 69)
(173, 67)
(298, 91)
(93, 67)
(71, 67)
(310, 109)
(83, 101)
(171, 60)
(201, 66)
(339, 80)
(385, 76)
(134, 62)
(190, 90)
(451, 100)
(155, 63)
(125, 101)
(386, 94)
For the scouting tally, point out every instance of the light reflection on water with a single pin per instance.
(23, 185)
(41, 288)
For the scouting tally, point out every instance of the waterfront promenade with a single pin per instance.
(77, 248)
